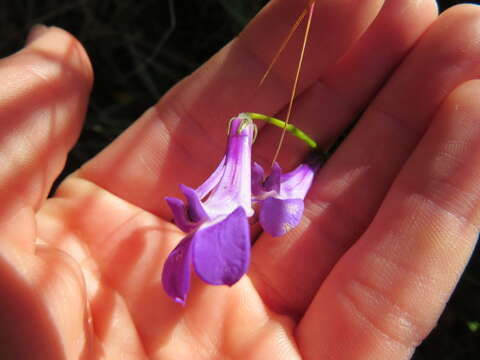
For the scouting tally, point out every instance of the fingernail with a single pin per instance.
(36, 32)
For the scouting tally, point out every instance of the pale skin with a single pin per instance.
(390, 222)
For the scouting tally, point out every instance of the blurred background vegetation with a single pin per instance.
(139, 49)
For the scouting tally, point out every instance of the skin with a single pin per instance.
(390, 221)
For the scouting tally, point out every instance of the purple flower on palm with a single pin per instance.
(280, 196)
(216, 220)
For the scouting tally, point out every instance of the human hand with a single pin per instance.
(389, 223)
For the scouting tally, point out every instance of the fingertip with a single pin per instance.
(60, 47)
(428, 7)
(460, 26)
(36, 32)
(462, 8)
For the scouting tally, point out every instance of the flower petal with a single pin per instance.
(195, 209)
(296, 183)
(176, 271)
(188, 217)
(180, 214)
(257, 179)
(212, 180)
(272, 182)
(221, 252)
(278, 216)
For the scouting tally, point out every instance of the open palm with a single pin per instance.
(389, 224)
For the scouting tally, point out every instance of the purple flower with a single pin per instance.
(216, 220)
(280, 196)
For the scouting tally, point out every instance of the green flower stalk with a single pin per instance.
(288, 127)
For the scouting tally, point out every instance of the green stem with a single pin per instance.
(288, 127)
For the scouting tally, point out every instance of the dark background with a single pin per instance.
(139, 49)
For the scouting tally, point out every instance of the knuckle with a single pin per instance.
(384, 311)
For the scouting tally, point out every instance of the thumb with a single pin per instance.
(43, 98)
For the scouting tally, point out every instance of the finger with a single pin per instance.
(418, 244)
(182, 138)
(72, 225)
(42, 307)
(43, 96)
(350, 188)
(343, 90)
